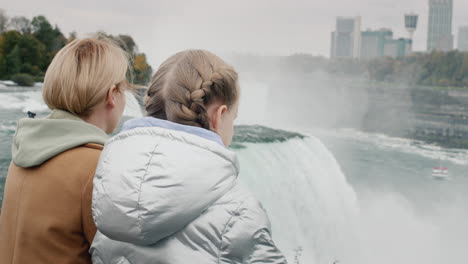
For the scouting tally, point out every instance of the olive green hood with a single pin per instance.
(38, 140)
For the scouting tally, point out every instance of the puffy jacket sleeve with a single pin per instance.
(247, 237)
(264, 249)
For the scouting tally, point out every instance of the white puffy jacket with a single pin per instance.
(168, 193)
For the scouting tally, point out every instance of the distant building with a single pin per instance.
(439, 35)
(380, 43)
(397, 48)
(346, 40)
(463, 38)
(373, 43)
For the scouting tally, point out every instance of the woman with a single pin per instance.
(46, 215)
(166, 187)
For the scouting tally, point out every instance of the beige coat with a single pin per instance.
(46, 215)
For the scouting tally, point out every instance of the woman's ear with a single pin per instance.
(216, 117)
(110, 98)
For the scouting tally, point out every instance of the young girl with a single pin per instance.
(166, 189)
(46, 215)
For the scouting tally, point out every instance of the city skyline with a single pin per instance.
(164, 27)
(349, 41)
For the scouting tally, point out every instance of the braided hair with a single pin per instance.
(187, 83)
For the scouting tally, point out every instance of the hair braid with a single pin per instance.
(187, 83)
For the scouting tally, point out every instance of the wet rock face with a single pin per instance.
(260, 134)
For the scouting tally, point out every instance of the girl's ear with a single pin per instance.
(216, 117)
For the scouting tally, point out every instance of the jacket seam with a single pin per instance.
(83, 189)
(16, 219)
(139, 221)
(225, 230)
(93, 146)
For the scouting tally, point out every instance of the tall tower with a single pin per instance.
(411, 23)
(439, 34)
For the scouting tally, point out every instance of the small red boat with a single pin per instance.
(440, 173)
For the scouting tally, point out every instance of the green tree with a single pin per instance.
(2, 66)
(9, 41)
(43, 31)
(10, 59)
(33, 56)
(51, 37)
(3, 21)
(23, 50)
(31, 45)
(142, 70)
(2, 59)
(13, 61)
(128, 44)
(21, 24)
(59, 41)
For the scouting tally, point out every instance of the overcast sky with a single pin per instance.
(163, 27)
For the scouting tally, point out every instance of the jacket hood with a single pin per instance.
(155, 178)
(38, 140)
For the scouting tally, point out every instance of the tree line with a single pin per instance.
(441, 69)
(27, 46)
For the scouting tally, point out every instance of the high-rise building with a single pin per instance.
(346, 40)
(439, 36)
(373, 43)
(463, 38)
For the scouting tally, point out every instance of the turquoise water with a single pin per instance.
(378, 164)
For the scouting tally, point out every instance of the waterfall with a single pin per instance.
(312, 207)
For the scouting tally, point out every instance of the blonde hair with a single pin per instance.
(186, 83)
(81, 74)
